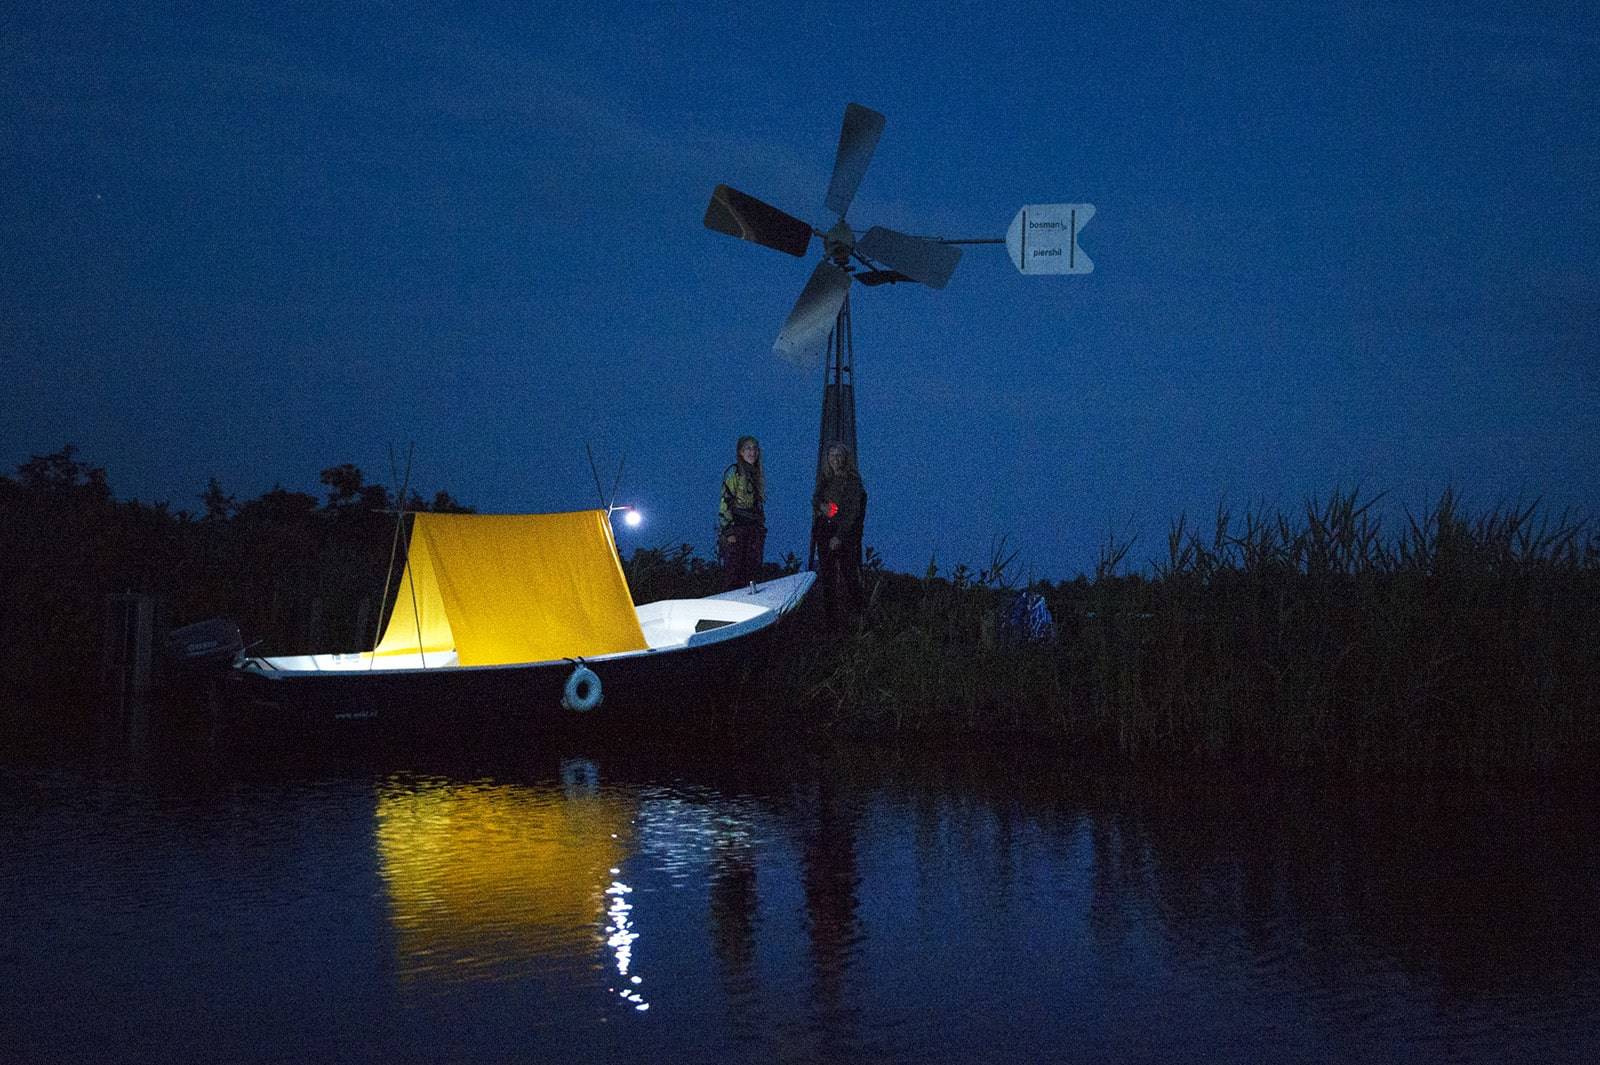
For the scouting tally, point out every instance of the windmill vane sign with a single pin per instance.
(1043, 239)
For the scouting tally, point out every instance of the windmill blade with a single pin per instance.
(741, 215)
(805, 335)
(918, 258)
(872, 278)
(858, 137)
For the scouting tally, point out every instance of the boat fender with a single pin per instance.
(583, 690)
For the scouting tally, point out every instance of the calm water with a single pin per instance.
(163, 901)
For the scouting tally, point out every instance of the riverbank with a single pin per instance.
(1459, 644)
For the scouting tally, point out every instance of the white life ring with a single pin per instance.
(583, 690)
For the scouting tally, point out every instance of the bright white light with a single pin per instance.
(620, 938)
(632, 518)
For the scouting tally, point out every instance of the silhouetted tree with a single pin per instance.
(61, 472)
(444, 504)
(219, 505)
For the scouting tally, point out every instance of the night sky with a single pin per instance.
(1336, 245)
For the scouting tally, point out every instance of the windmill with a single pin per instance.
(1041, 239)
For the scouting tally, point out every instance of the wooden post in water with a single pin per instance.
(128, 648)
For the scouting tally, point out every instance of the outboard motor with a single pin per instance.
(205, 645)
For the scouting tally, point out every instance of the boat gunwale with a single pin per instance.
(261, 667)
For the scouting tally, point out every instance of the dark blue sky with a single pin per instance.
(1336, 244)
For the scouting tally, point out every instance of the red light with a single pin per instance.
(833, 510)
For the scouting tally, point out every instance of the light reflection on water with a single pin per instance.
(483, 877)
(772, 906)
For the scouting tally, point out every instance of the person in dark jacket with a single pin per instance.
(741, 516)
(840, 507)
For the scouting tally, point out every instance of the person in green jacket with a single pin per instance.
(840, 509)
(741, 516)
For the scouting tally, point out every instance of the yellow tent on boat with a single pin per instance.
(500, 589)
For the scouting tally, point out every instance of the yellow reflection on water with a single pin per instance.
(484, 877)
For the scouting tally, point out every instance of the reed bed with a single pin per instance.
(1457, 644)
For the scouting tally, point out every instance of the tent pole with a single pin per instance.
(399, 534)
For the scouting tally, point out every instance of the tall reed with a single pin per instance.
(1457, 644)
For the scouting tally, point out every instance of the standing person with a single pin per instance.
(840, 507)
(741, 517)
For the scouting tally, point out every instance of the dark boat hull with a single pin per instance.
(644, 686)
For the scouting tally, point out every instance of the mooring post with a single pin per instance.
(128, 651)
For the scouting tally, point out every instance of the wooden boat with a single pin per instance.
(527, 618)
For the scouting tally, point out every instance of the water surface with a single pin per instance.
(166, 898)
